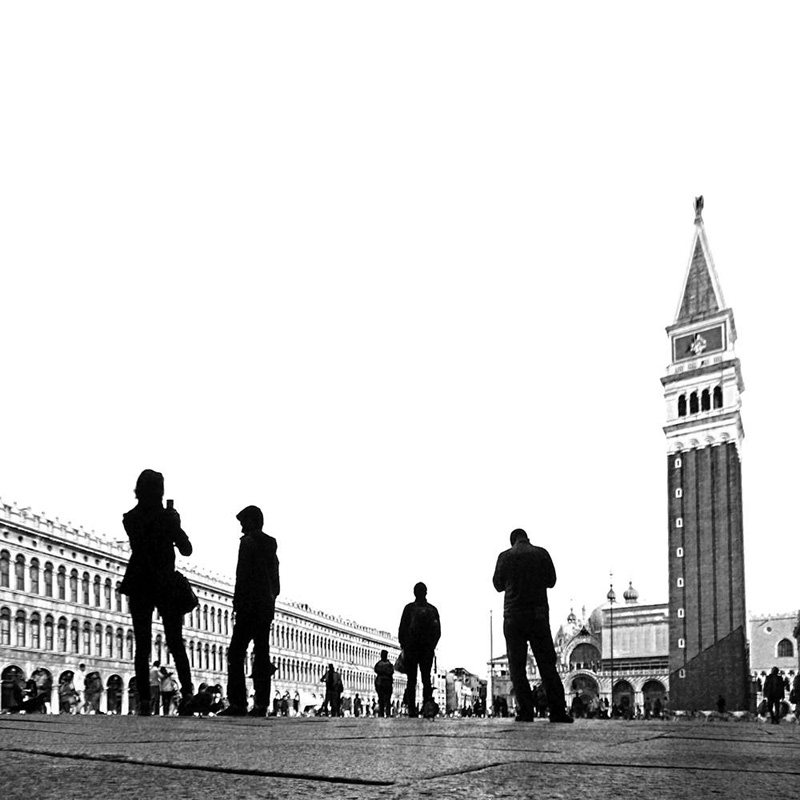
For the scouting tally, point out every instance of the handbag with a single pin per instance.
(183, 598)
(400, 664)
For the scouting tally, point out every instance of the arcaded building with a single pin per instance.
(60, 606)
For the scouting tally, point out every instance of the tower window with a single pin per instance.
(705, 400)
(679, 493)
(680, 583)
(679, 552)
(681, 673)
(681, 613)
(678, 463)
(681, 643)
(679, 522)
(682, 406)
(693, 406)
(717, 397)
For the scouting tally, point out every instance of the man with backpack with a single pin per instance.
(420, 630)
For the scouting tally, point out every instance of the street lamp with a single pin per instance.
(611, 598)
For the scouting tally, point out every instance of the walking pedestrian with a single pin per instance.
(774, 691)
(384, 682)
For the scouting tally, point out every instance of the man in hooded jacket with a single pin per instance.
(257, 586)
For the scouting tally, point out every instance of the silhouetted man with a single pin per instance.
(525, 573)
(384, 683)
(420, 630)
(257, 586)
(774, 692)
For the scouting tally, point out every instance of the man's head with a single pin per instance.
(251, 518)
(420, 591)
(156, 663)
(83, 666)
(774, 670)
(384, 655)
(518, 535)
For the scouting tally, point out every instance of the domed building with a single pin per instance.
(621, 645)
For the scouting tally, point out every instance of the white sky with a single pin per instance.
(398, 274)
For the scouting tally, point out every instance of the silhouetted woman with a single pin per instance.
(149, 580)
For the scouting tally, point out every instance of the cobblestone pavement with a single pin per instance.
(125, 757)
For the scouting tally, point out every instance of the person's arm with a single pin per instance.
(274, 575)
(548, 571)
(405, 621)
(499, 579)
(179, 537)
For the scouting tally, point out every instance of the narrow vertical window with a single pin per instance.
(693, 404)
(717, 397)
(705, 400)
(682, 406)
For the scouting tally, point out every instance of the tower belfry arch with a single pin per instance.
(704, 435)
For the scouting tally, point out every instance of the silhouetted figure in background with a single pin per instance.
(257, 586)
(774, 691)
(333, 691)
(420, 631)
(149, 580)
(384, 683)
(525, 573)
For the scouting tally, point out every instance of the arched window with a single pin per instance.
(48, 579)
(62, 634)
(213, 621)
(693, 403)
(5, 569)
(74, 637)
(5, 626)
(219, 622)
(205, 620)
(34, 575)
(118, 597)
(226, 623)
(19, 573)
(87, 638)
(61, 580)
(107, 587)
(109, 641)
(785, 649)
(705, 400)
(191, 654)
(207, 649)
(159, 647)
(717, 397)
(98, 640)
(129, 645)
(20, 626)
(85, 588)
(97, 590)
(120, 643)
(73, 585)
(48, 632)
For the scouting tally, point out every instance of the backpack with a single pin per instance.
(424, 626)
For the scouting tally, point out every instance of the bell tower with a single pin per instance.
(702, 389)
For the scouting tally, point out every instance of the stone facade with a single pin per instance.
(60, 606)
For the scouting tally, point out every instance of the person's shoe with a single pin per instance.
(257, 711)
(523, 718)
(563, 717)
(233, 711)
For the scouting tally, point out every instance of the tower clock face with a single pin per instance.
(699, 343)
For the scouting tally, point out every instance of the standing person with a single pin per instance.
(774, 691)
(420, 630)
(525, 573)
(167, 690)
(357, 706)
(149, 582)
(155, 688)
(79, 688)
(333, 691)
(384, 682)
(257, 586)
(296, 703)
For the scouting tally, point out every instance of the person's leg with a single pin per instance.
(173, 630)
(240, 638)
(517, 652)
(410, 697)
(545, 655)
(142, 617)
(425, 667)
(262, 668)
